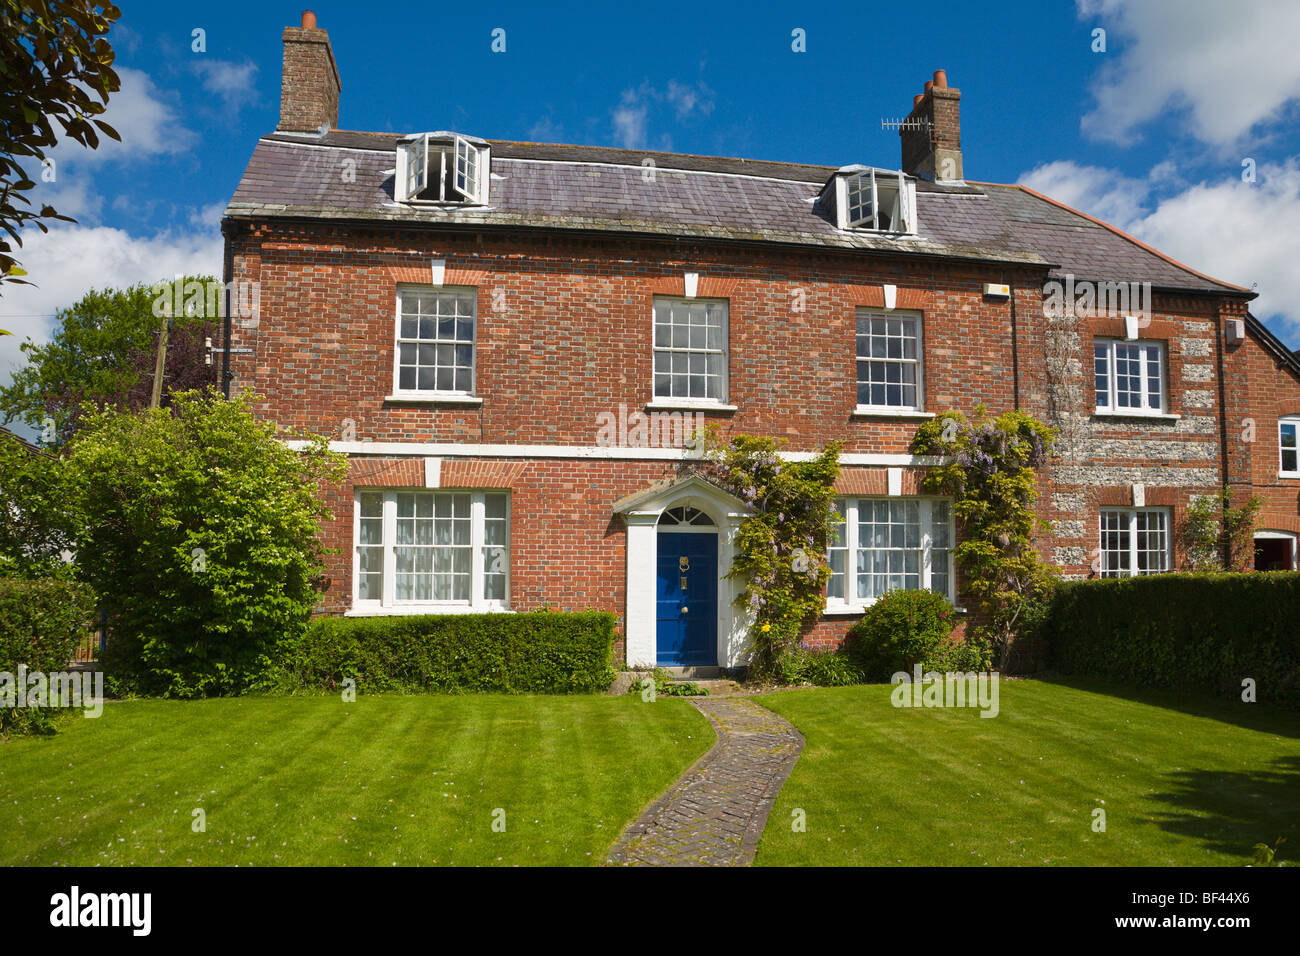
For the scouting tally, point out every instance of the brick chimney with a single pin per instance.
(309, 88)
(932, 135)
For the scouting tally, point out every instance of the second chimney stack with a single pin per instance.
(932, 135)
(309, 86)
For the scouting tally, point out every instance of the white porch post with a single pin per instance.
(642, 552)
(733, 622)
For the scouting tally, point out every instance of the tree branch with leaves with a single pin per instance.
(55, 68)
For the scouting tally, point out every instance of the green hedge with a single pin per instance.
(536, 652)
(41, 623)
(1203, 632)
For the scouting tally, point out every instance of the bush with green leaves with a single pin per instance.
(36, 522)
(536, 652)
(1199, 632)
(902, 629)
(1217, 535)
(819, 668)
(666, 685)
(199, 531)
(41, 623)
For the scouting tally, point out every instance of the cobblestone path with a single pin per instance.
(715, 813)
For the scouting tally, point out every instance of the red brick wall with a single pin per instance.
(573, 337)
(1260, 389)
(565, 334)
(309, 91)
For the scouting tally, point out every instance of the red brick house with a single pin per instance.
(511, 341)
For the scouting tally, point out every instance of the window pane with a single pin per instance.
(1101, 371)
(690, 354)
(438, 354)
(1287, 439)
(888, 351)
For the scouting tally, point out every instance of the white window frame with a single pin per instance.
(850, 603)
(1146, 409)
(399, 341)
(1267, 534)
(417, 153)
(918, 362)
(1132, 531)
(871, 181)
(724, 377)
(412, 167)
(388, 604)
(466, 177)
(1293, 422)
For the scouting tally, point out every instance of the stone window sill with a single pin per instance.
(1137, 416)
(399, 609)
(870, 411)
(433, 399)
(668, 405)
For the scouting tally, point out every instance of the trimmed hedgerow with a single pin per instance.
(535, 652)
(1205, 632)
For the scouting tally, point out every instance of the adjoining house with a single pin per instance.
(505, 338)
(8, 434)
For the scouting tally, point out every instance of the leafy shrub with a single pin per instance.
(902, 629)
(34, 517)
(41, 623)
(536, 652)
(1204, 632)
(820, 668)
(199, 531)
(668, 686)
(952, 656)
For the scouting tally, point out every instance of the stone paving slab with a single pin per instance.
(715, 813)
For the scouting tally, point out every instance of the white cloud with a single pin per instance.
(687, 99)
(233, 83)
(143, 117)
(69, 261)
(630, 120)
(1099, 192)
(149, 127)
(632, 115)
(1239, 232)
(546, 130)
(1232, 67)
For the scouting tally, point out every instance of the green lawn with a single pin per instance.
(311, 780)
(1182, 782)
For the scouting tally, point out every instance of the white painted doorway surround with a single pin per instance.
(641, 513)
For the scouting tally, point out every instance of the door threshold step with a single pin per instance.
(696, 672)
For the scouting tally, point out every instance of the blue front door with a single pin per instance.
(687, 599)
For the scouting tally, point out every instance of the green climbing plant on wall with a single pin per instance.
(988, 470)
(781, 546)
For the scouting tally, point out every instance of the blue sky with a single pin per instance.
(1150, 134)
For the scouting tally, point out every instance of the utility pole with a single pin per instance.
(160, 364)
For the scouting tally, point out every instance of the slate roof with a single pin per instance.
(546, 186)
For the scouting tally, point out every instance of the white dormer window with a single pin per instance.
(442, 167)
(875, 200)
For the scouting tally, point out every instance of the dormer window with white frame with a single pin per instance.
(874, 200)
(442, 167)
